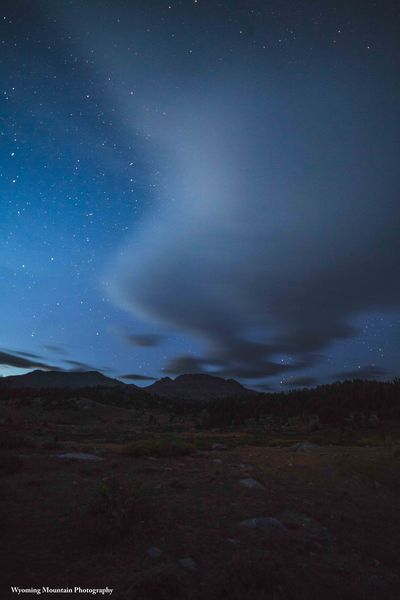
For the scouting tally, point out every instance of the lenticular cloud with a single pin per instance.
(276, 222)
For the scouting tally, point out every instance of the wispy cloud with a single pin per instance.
(278, 215)
(137, 377)
(143, 340)
(362, 372)
(300, 382)
(24, 361)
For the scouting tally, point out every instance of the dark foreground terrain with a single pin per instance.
(159, 514)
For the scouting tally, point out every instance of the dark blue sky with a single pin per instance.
(201, 186)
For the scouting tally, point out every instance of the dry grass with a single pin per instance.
(159, 447)
(114, 510)
(15, 442)
(94, 521)
(9, 465)
(381, 468)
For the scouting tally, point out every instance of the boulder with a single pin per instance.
(153, 552)
(252, 484)
(188, 563)
(263, 523)
(305, 447)
(219, 447)
(79, 456)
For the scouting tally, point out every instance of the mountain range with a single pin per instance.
(192, 387)
(197, 386)
(59, 379)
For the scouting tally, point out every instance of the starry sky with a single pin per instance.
(201, 186)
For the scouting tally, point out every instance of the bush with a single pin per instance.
(113, 511)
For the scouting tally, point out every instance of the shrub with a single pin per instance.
(113, 511)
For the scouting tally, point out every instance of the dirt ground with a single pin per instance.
(67, 522)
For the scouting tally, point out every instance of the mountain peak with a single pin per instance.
(60, 379)
(197, 386)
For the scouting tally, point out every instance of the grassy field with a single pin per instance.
(88, 523)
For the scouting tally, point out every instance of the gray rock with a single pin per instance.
(233, 541)
(251, 483)
(79, 456)
(188, 563)
(153, 552)
(304, 447)
(219, 447)
(264, 523)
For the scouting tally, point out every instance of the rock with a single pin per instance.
(79, 456)
(265, 523)
(219, 447)
(304, 447)
(233, 541)
(373, 421)
(188, 563)
(153, 552)
(251, 483)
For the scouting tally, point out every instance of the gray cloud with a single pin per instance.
(143, 340)
(301, 381)
(58, 349)
(236, 364)
(137, 377)
(79, 366)
(22, 362)
(265, 387)
(181, 365)
(28, 354)
(366, 372)
(285, 219)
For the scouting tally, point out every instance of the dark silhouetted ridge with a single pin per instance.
(59, 379)
(197, 386)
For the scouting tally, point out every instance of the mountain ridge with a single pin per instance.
(188, 386)
(60, 379)
(198, 387)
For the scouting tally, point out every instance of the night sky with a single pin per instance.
(201, 186)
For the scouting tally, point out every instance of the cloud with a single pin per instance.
(22, 362)
(143, 340)
(265, 387)
(283, 227)
(243, 363)
(301, 381)
(183, 365)
(366, 372)
(57, 348)
(137, 377)
(27, 354)
(79, 366)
